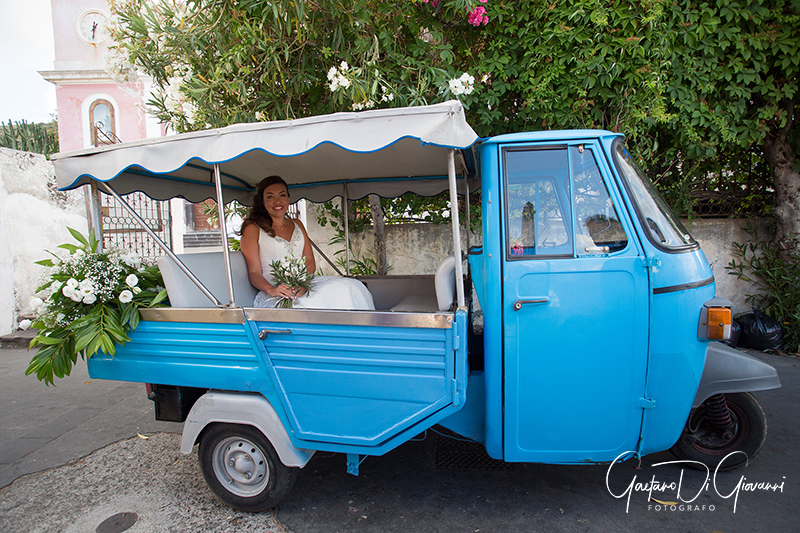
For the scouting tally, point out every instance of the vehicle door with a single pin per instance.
(575, 307)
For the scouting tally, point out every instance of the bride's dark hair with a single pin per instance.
(258, 213)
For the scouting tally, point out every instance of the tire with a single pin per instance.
(243, 469)
(701, 441)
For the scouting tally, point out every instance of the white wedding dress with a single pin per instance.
(327, 292)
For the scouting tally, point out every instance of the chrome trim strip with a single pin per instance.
(301, 316)
(352, 318)
(206, 315)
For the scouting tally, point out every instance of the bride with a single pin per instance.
(269, 235)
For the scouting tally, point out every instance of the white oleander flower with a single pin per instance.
(464, 84)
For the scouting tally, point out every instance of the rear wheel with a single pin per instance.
(722, 425)
(243, 469)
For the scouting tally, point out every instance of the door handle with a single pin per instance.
(264, 333)
(540, 300)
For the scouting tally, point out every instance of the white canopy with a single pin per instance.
(385, 151)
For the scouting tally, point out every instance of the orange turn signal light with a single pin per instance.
(719, 323)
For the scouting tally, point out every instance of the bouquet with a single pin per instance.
(293, 272)
(88, 303)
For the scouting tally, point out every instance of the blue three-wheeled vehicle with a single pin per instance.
(599, 309)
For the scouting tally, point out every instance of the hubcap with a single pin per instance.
(241, 466)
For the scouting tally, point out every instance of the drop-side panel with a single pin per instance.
(359, 385)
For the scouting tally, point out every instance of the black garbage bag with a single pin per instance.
(760, 332)
(736, 332)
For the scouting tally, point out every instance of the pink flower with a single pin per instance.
(478, 16)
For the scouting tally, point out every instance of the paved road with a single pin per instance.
(49, 432)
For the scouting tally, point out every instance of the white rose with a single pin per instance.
(131, 280)
(56, 286)
(24, 324)
(125, 296)
(89, 299)
(136, 290)
(71, 293)
(72, 283)
(36, 302)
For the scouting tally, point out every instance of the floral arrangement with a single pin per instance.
(88, 303)
(291, 271)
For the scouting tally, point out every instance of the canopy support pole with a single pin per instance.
(346, 211)
(451, 175)
(95, 217)
(325, 257)
(224, 229)
(161, 244)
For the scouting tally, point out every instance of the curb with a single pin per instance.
(18, 339)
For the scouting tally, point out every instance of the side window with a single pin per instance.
(597, 226)
(543, 186)
(538, 189)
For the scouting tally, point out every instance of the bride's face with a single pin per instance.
(276, 200)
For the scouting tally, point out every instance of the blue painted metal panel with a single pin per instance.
(676, 364)
(189, 354)
(491, 304)
(470, 421)
(359, 385)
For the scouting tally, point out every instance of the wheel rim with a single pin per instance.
(241, 466)
(711, 442)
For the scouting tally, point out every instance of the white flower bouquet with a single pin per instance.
(291, 271)
(88, 303)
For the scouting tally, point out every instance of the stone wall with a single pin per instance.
(33, 218)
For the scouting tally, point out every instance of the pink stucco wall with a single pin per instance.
(83, 80)
(69, 48)
(74, 134)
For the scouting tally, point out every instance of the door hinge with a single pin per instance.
(646, 403)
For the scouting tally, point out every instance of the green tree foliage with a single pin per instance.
(30, 137)
(733, 90)
(700, 89)
(218, 62)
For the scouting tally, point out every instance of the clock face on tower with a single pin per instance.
(92, 27)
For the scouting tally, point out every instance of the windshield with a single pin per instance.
(662, 226)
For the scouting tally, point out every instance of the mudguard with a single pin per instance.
(242, 408)
(729, 370)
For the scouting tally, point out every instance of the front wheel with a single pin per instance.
(722, 425)
(243, 469)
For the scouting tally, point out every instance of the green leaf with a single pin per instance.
(78, 236)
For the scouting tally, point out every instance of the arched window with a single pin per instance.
(101, 123)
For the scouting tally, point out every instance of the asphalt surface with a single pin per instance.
(74, 455)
